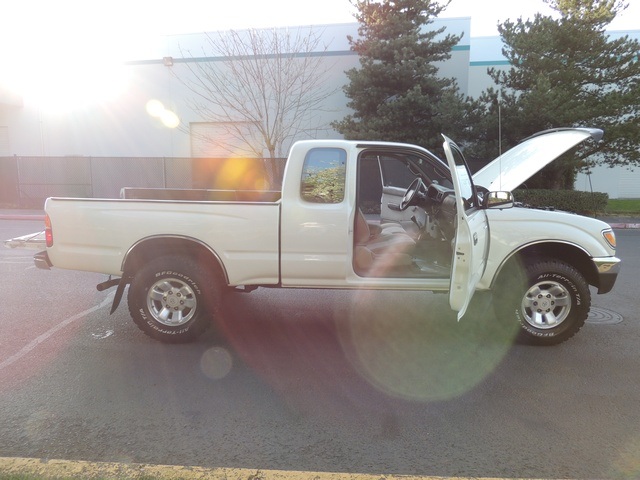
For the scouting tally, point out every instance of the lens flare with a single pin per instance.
(417, 350)
(627, 464)
(216, 363)
(156, 109)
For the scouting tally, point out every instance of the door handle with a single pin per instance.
(475, 238)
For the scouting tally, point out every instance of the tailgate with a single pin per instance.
(33, 241)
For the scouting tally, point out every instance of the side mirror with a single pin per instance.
(498, 200)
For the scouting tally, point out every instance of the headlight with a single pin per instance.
(610, 237)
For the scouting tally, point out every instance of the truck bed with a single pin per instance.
(96, 234)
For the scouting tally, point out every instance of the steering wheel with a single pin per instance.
(410, 194)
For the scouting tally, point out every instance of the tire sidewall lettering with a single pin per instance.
(181, 276)
(576, 299)
(165, 331)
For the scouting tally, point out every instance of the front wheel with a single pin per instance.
(551, 303)
(173, 299)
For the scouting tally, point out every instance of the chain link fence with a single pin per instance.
(25, 182)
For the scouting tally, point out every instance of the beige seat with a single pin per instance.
(385, 228)
(383, 251)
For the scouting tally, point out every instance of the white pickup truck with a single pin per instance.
(350, 215)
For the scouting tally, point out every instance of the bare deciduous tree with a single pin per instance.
(263, 88)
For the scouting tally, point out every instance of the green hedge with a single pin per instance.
(567, 200)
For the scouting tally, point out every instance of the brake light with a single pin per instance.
(48, 231)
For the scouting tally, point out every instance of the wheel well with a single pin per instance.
(570, 254)
(148, 249)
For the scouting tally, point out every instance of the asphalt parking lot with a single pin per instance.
(320, 381)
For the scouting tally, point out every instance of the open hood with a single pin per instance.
(526, 159)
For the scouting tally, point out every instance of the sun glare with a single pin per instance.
(69, 86)
(59, 63)
(58, 81)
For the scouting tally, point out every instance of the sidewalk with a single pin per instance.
(621, 222)
(18, 214)
(38, 215)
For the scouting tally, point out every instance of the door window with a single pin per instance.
(396, 172)
(323, 175)
(467, 189)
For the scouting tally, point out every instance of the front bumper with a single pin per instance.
(608, 269)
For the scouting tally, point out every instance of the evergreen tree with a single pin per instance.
(396, 94)
(565, 71)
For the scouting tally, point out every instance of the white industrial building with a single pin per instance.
(123, 126)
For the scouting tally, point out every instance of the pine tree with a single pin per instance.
(567, 71)
(396, 94)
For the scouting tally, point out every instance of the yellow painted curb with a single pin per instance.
(66, 469)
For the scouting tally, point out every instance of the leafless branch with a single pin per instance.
(265, 87)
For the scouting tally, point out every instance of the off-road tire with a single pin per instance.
(548, 298)
(173, 299)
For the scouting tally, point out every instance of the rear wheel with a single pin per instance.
(550, 300)
(173, 299)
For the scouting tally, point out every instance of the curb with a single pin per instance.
(45, 468)
(33, 218)
(625, 225)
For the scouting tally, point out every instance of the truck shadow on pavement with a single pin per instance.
(334, 350)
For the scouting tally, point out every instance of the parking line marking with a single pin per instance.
(41, 338)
